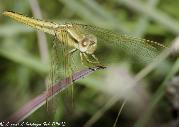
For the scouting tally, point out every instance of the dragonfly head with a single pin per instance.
(88, 44)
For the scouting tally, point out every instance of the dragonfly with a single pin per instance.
(86, 41)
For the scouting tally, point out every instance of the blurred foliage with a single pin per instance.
(23, 73)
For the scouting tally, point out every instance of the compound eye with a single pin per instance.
(84, 42)
(92, 43)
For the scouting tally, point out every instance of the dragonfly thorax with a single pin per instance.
(84, 42)
(87, 44)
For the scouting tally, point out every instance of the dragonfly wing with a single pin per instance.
(55, 72)
(143, 50)
(62, 65)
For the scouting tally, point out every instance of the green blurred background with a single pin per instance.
(24, 58)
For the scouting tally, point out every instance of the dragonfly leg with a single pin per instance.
(100, 65)
(95, 58)
(73, 61)
(88, 60)
(71, 51)
(81, 57)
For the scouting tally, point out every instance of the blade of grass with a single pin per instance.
(101, 111)
(138, 77)
(152, 13)
(90, 16)
(38, 101)
(13, 29)
(157, 96)
(42, 40)
(106, 15)
(24, 59)
(119, 112)
(144, 20)
(81, 10)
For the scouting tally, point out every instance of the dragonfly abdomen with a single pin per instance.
(47, 27)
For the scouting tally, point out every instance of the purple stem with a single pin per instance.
(40, 100)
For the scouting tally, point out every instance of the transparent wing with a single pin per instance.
(62, 64)
(122, 46)
(60, 60)
(56, 71)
